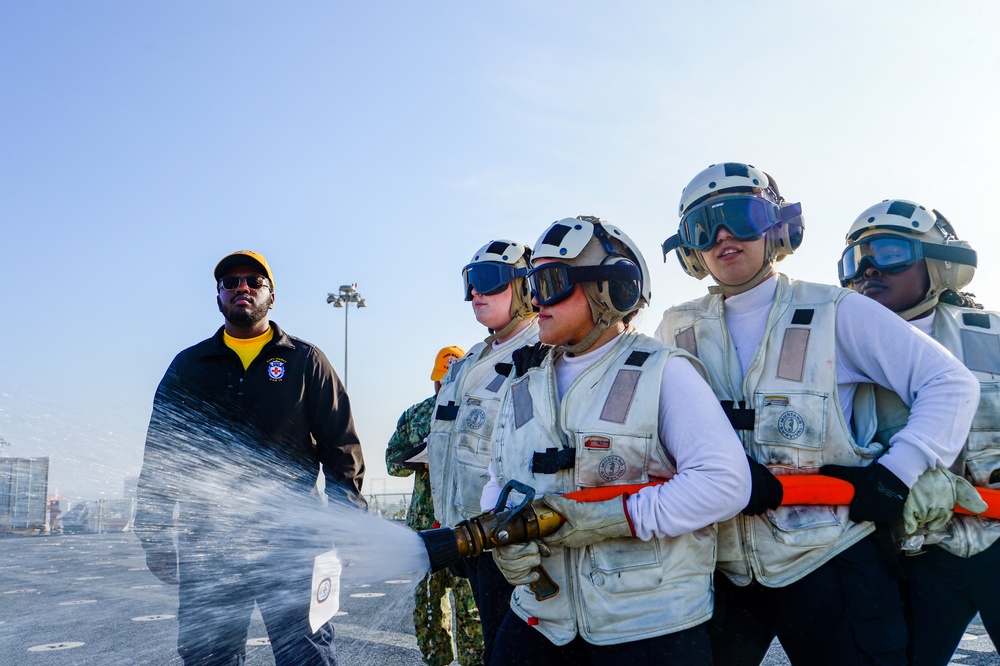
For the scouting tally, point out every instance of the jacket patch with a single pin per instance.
(612, 468)
(276, 369)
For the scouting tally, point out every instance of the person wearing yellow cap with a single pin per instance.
(458, 448)
(241, 423)
(432, 609)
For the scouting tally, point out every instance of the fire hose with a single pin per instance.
(533, 519)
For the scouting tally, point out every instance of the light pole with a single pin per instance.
(348, 294)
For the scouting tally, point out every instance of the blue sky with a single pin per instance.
(383, 143)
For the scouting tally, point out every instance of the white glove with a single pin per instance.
(933, 498)
(517, 562)
(588, 522)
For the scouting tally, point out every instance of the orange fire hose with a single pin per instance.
(798, 489)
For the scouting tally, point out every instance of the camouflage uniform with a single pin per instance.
(432, 612)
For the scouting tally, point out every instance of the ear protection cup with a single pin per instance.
(623, 295)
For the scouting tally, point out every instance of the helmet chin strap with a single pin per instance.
(588, 340)
(506, 330)
(765, 272)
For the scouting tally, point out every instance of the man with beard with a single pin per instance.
(241, 423)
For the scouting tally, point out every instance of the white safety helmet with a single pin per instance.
(603, 260)
(744, 191)
(492, 268)
(951, 263)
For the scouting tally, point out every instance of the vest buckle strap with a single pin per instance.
(553, 460)
(740, 417)
(447, 412)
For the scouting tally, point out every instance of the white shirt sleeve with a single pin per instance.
(875, 345)
(713, 478)
(491, 492)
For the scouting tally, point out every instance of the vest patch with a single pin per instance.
(495, 385)
(524, 409)
(637, 358)
(619, 399)
(981, 351)
(597, 442)
(687, 341)
(980, 319)
(792, 361)
(612, 468)
(476, 419)
(803, 317)
(791, 425)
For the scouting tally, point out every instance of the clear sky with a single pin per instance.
(382, 143)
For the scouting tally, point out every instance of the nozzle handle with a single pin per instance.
(543, 588)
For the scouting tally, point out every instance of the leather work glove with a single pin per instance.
(517, 561)
(879, 495)
(529, 356)
(933, 498)
(766, 492)
(588, 522)
(162, 562)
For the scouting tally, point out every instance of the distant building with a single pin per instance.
(24, 486)
(131, 483)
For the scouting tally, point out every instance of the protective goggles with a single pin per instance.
(489, 277)
(554, 282)
(232, 282)
(888, 253)
(746, 217)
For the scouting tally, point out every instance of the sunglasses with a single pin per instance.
(746, 217)
(489, 277)
(232, 282)
(554, 282)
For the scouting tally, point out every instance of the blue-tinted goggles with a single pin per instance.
(554, 282)
(888, 253)
(489, 277)
(746, 217)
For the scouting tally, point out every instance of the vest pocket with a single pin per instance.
(795, 419)
(625, 565)
(603, 459)
(808, 526)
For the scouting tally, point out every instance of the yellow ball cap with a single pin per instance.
(244, 258)
(444, 359)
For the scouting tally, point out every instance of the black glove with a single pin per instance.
(529, 356)
(879, 495)
(458, 570)
(162, 561)
(766, 491)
